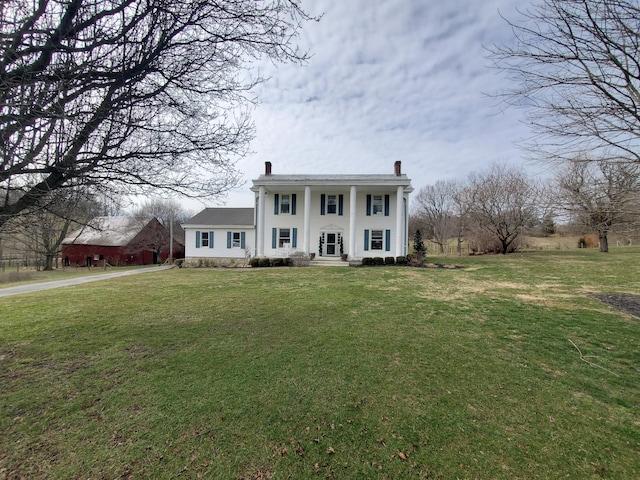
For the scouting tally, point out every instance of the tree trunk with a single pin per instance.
(604, 242)
(48, 262)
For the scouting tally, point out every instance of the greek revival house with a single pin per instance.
(360, 215)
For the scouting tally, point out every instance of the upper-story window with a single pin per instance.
(377, 205)
(332, 203)
(285, 203)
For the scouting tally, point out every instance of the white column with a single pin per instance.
(307, 219)
(352, 221)
(260, 223)
(399, 221)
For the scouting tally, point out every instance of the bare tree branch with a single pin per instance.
(576, 71)
(131, 94)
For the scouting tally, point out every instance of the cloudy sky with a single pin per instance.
(388, 80)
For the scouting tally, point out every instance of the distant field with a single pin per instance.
(508, 368)
(552, 242)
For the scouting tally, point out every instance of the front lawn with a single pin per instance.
(508, 368)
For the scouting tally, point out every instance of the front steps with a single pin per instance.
(328, 262)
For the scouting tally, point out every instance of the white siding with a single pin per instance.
(333, 221)
(220, 249)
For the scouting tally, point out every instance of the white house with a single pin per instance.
(360, 215)
(329, 215)
(220, 233)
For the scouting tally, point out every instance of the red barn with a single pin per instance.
(119, 241)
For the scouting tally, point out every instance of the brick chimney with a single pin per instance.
(267, 168)
(396, 168)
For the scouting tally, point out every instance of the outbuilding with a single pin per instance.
(119, 241)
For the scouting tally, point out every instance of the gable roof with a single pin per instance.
(108, 231)
(222, 217)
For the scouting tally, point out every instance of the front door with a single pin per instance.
(332, 247)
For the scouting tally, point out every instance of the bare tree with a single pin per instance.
(40, 230)
(499, 203)
(171, 215)
(601, 195)
(164, 209)
(436, 209)
(133, 94)
(577, 70)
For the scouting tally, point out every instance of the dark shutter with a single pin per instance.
(386, 205)
(340, 204)
(243, 238)
(366, 240)
(387, 235)
(294, 238)
(274, 237)
(368, 205)
(210, 239)
(293, 203)
(229, 239)
(323, 201)
(276, 201)
(197, 238)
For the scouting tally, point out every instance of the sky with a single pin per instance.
(387, 80)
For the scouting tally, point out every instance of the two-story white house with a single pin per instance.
(359, 215)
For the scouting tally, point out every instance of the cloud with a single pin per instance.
(388, 80)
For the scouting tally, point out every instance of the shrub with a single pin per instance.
(389, 261)
(254, 262)
(299, 259)
(277, 262)
(414, 259)
(179, 262)
(367, 261)
(401, 260)
(378, 261)
(264, 262)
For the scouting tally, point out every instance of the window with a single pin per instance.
(377, 204)
(236, 239)
(376, 239)
(204, 239)
(284, 204)
(285, 237)
(332, 204)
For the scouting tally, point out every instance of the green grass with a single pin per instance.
(504, 369)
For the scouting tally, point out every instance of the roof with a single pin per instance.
(108, 231)
(222, 217)
(334, 180)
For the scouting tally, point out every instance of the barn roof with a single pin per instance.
(108, 231)
(222, 217)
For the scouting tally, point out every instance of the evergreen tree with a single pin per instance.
(418, 245)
